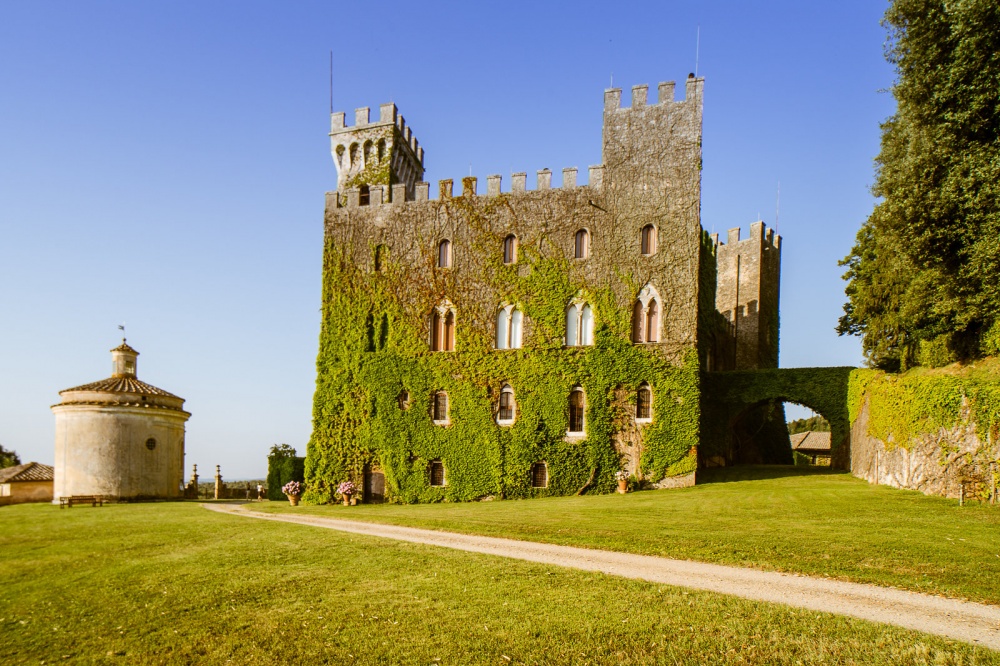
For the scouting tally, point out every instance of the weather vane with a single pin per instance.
(121, 327)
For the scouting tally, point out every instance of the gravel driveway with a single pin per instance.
(960, 620)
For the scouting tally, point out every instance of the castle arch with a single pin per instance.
(368, 154)
(354, 156)
(381, 150)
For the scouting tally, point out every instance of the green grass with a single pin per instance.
(799, 520)
(177, 584)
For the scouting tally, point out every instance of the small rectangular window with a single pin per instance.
(539, 475)
(437, 473)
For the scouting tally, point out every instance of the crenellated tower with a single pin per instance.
(376, 154)
(749, 271)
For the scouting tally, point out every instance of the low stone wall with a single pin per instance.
(935, 463)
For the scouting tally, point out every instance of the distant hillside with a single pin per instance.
(815, 423)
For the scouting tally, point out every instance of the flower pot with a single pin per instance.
(623, 486)
(294, 499)
(347, 500)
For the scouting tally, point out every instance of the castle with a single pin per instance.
(529, 342)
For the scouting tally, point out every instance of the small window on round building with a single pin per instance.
(150, 443)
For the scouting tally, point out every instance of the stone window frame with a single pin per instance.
(542, 467)
(648, 240)
(581, 243)
(509, 327)
(445, 258)
(647, 317)
(442, 328)
(579, 326)
(641, 403)
(510, 249)
(580, 414)
(440, 408)
(505, 391)
(436, 468)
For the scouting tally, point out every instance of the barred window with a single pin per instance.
(643, 403)
(436, 471)
(505, 413)
(539, 475)
(439, 407)
(576, 409)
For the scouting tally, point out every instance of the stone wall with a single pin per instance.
(936, 463)
(25, 491)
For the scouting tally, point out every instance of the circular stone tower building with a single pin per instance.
(119, 437)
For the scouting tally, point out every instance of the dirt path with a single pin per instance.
(960, 620)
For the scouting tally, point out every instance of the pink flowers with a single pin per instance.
(347, 488)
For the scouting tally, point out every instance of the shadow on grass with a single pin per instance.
(760, 472)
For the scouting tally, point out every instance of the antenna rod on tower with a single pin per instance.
(331, 82)
(697, 50)
(777, 209)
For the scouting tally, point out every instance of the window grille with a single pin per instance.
(576, 411)
(539, 475)
(437, 473)
(440, 407)
(643, 403)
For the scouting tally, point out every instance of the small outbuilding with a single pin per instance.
(119, 437)
(30, 482)
(815, 445)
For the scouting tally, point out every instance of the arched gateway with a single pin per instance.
(729, 396)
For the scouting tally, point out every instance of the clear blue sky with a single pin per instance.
(164, 164)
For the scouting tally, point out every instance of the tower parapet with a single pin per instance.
(384, 152)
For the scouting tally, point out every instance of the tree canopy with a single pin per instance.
(923, 273)
(8, 458)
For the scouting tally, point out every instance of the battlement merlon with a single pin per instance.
(693, 89)
(760, 235)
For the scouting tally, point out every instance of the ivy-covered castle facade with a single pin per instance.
(518, 342)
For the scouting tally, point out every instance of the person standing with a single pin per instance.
(260, 492)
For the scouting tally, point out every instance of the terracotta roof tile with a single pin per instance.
(121, 385)
(27, 472)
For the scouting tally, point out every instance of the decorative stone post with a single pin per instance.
(219, 486)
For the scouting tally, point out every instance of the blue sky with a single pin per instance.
(164, 164)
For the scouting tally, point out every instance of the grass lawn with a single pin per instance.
(173, 583)
(781, 519)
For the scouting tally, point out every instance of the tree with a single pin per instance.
(922, 274)
(8, 458)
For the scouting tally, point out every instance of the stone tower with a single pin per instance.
(383, 155)
(747, 294)
(119, 437)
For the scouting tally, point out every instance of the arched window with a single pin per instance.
(539, 475)
(443, 328)
(436, 473)
(354, 155)
(586, 326)
(340, 157)
(646, 316)
(444, 254)
(576, 409)
(380, 253)
(638, 316)
(505, 408)
(439, 408)
(508, 328)
(581, 244)
(381, 150)
(579, 325)
(510, 249)
(652, 322)
(648, 240)
(368, 153)
(643, 403)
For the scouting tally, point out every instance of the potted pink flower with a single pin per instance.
(293, 489)
(346, 489)
(622, 477)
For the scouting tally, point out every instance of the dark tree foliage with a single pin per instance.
(812, 424)
(8, 458)
(923, 274)
(283, 466)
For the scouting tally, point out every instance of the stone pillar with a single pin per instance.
(219, 486)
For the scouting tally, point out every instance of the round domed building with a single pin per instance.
(119, 437)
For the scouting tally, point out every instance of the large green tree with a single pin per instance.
(8, 458)
(925, 270)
